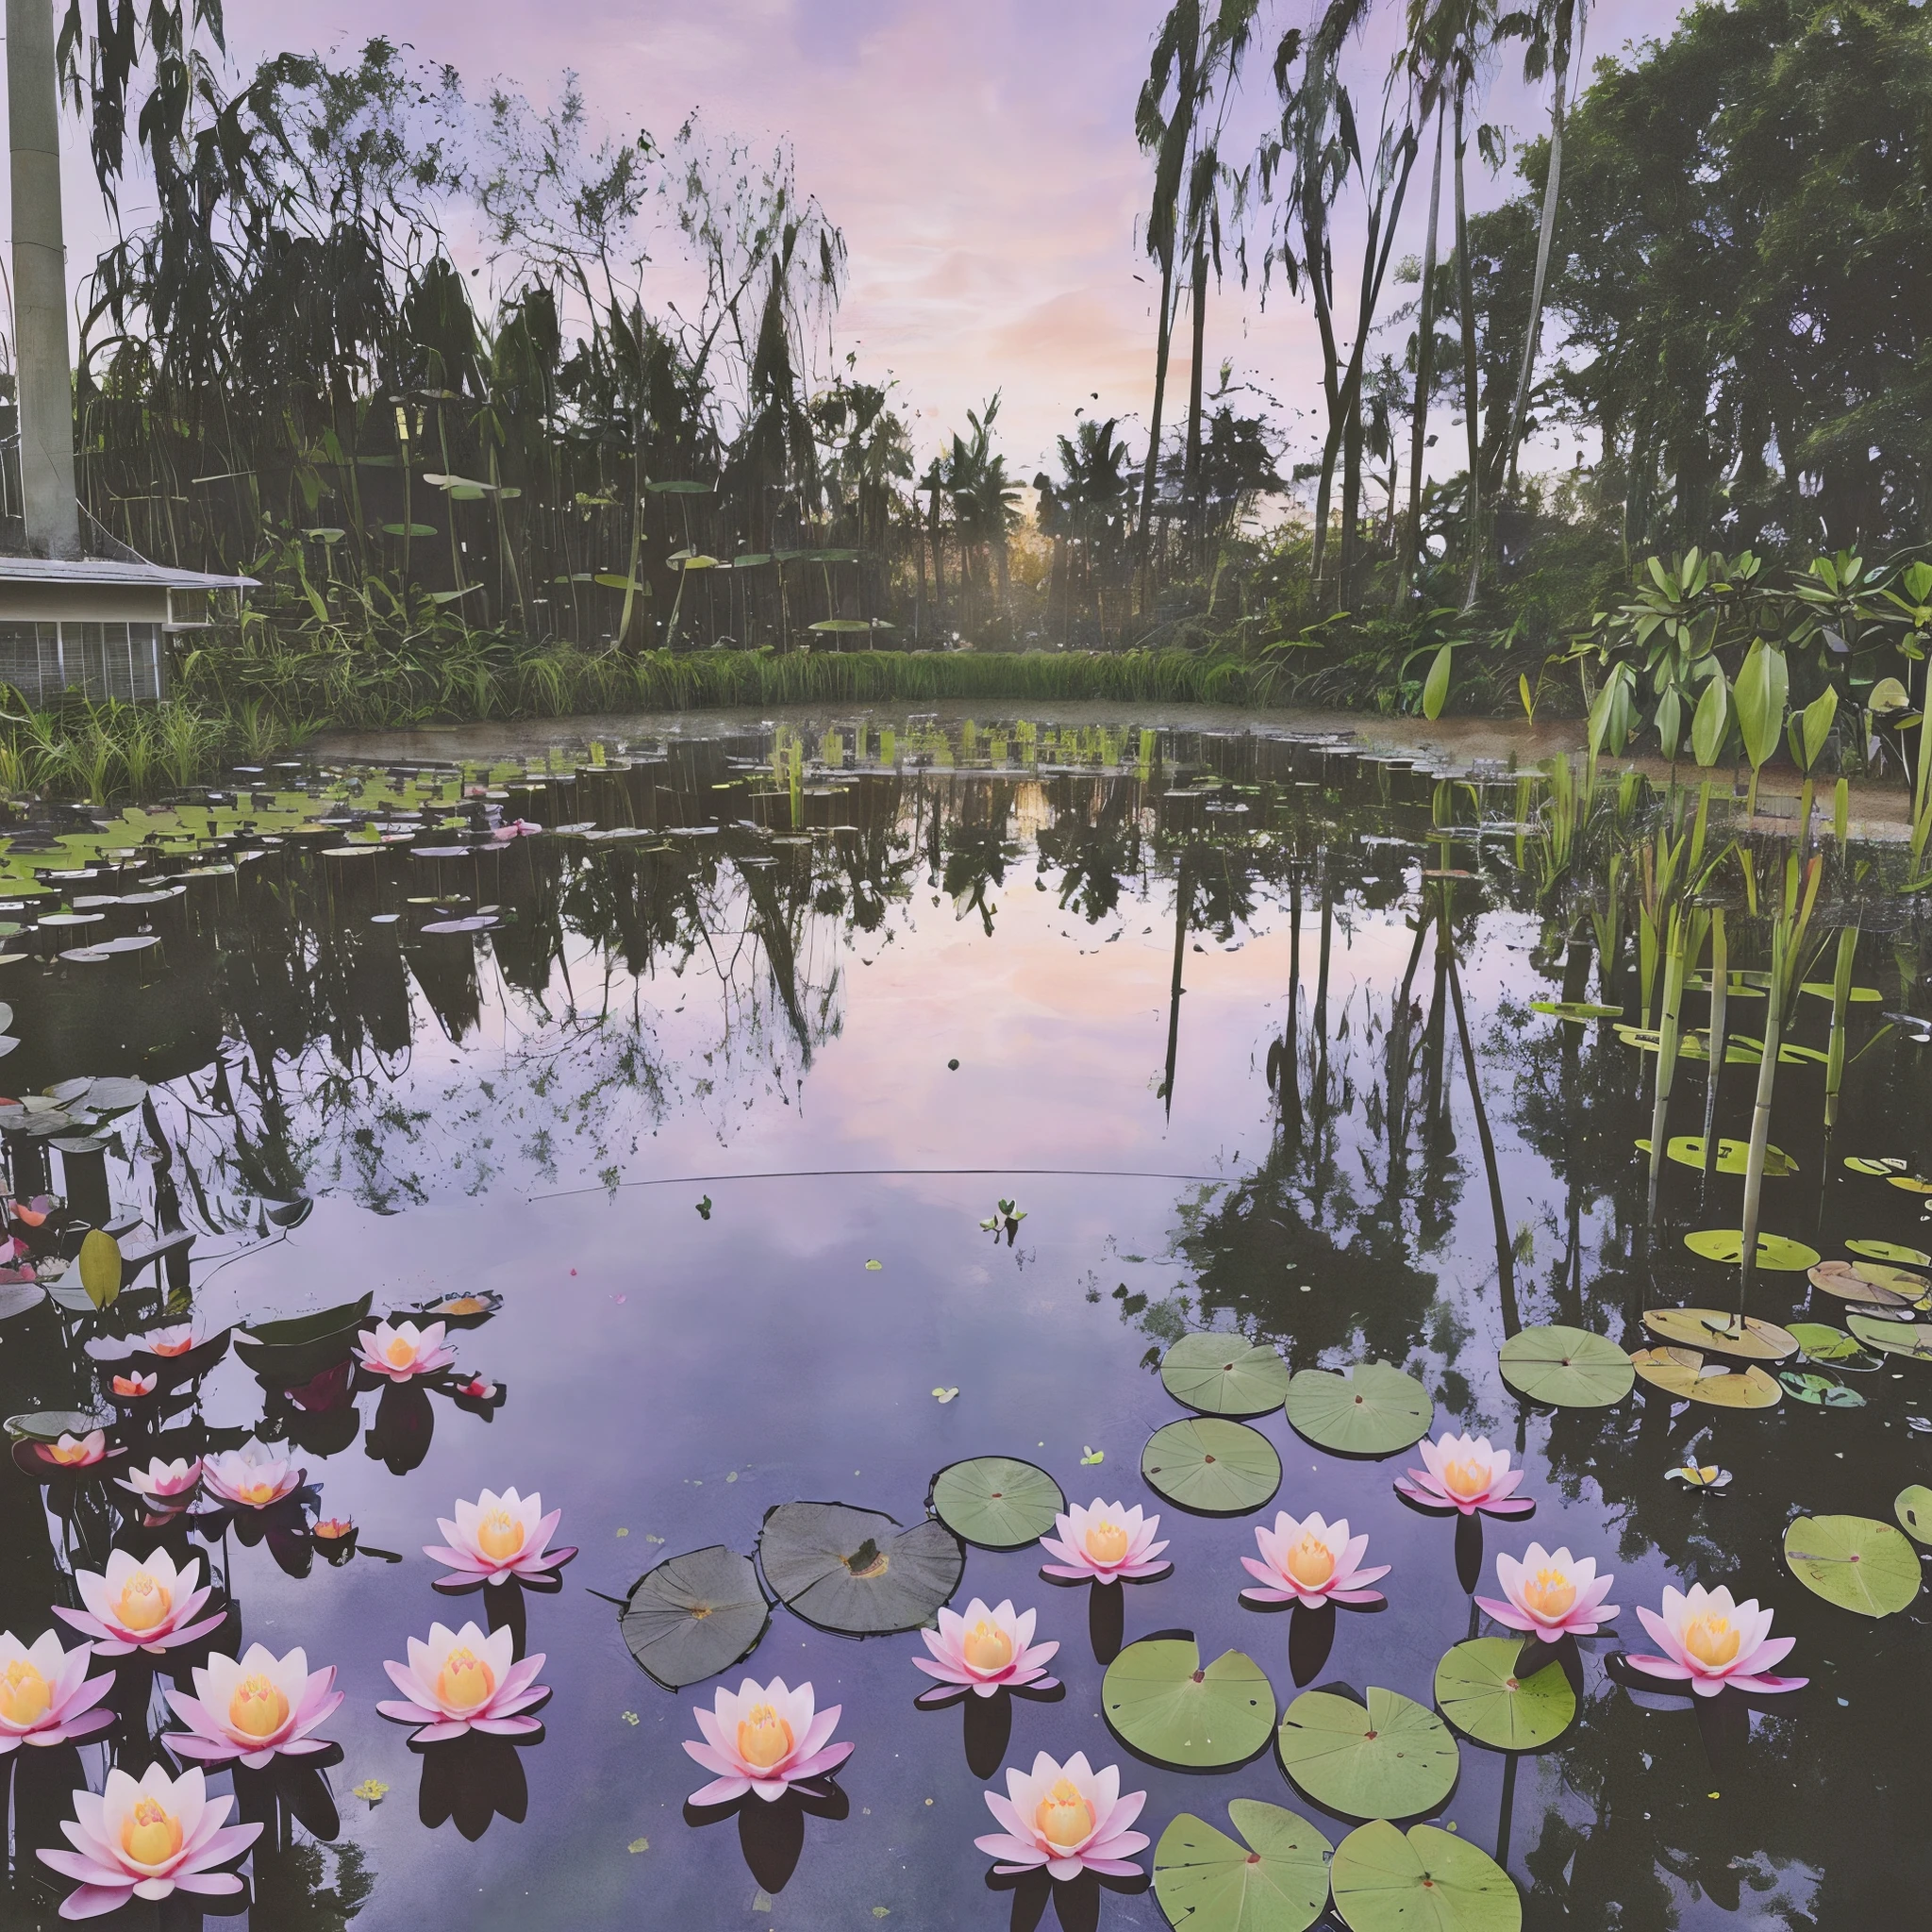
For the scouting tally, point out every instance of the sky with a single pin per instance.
(979, 156)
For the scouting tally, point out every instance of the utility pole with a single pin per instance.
(43, 373)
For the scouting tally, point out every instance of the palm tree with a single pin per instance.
(1084, 512)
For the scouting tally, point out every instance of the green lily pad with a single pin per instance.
(997, 1501)
(1687, 1376)
(1777, 1252)
(1883, 1165)
(1688, 1150)
(1577, 1011)
(1211, 1465)
(1225, 1375)
(1913, 1339)
(1571, 1368)
(1479, 1692)
(1374, 1410)
(1424, 1881)
(1855, 1562)
(1913, 1508)
(1716, 1331)
(1820, 1392)
(1392, 1757)
(1890, 1251)
(695, 1615)
(1820, 1343)
(856, 1571)
(1163, 1702)
(1277, 1881)
(50, 1425)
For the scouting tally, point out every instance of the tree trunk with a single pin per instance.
(1424, 373)
(1471, 399)
(1190, 488)
(1163, 342)
(1533, 337)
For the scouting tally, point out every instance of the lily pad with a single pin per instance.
(100, 1267)
(1820, 1343)
(1688, 1150)
(695, 1615)
(1392, 1757)
(1424, 1881)
(1855, 1562)
(1820, 1392)
(1716, 1332)
(1687, 1376)
(1277, 1881)
(1912, 1339)
(856, 1571)
(1913, 1508)
(1881, 1165)
(1577, 1011)
(1876, 1284)
(1571, 1368)
(1890, 1251)
(1777, 1252)
(1225, 1375)
(1913, 1183)
(1479, 1692)
(1374, 1410)
(1211, 1465)
(996, 1501)
(17, 1297)
(300, 1348)
(50, 1425)
(1160, 1700)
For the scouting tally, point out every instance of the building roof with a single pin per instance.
(105, 572)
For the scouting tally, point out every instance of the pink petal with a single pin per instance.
(208, 1881)
(506, 1726)
(1656, 1666)
(1506, 1614)
(78, 1865)
(1113, 1868)
(91, 1901)
(946, 1673)
(1520, 1506)
(1066, 1570)
(1759, 1680)
(457, 1559)
(1357, 1596)
(1773, 1650)
(406, 1711)
(1000, 1846)
(821, 1726)
(1268, 1596)
(719, 1791)
(710, 1758)
(447, 1727)
(821, 1761)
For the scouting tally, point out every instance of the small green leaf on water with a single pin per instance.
(639, 1844)
(944, 1395)
(1914, 1509)
(1575, 1010)
(1882, 1165)
(705, 1208)
(1821, 1391)
(1820, 1343)
(630, 1717)
(371, 1791)
(875, 1266)
(1853, 1561)
(100, 1267)
(1089, 1457)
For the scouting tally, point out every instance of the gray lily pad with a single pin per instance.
(17, 1297)
(1210, 1465)
(695, 1615)
(1161, 1701)
(50, 1425)
(1421, 1880)
(856, 1571)
(1374, 1410)
(1571, 1368)
(1392, 1757)
(1855, 1562)
(1225, 1375)
(1480, 1693)
(1277, 1881)
(997, 1502)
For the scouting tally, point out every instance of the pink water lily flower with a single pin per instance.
(46, 1696)
(763, 1737)
(1068, 1817)
(984, 1651)
(404, 1351)
(76, 1452)
(1464, 1474)
(251, 1478)
(180, 1338)
(140, 1604)
(1103, 1542)
(461, 1680)
(496, 1537)
(1711, 1641)
(1311, 1564)
(132, 1388)
(254, 1708)
(144, 1841)
(1551, 1596)
(164, 1486)
(516, 829)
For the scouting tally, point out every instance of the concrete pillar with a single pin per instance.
(45, 371)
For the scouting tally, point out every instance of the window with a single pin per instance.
(98, 660)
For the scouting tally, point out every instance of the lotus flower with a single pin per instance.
(1311, 1564)
(763, 1737)
(496, 1537)
(1699, 1475)
(179, 1339)
(1713, 1642)
(140, 1605)
(333, 1528)
(164, 1486)
(1068, 1817)
(404, 1351)
(516, 829)
(254, 1708)
(461, 1680)
(984, 1651)
(1105, 1542)
(46, 1696)
(1551, 1596)
(132, 1388)
(1464, 1474)
(142, 1840)
(251, 1478)
(76, 1452)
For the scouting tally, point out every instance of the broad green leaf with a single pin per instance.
(1858, 995)
(1763, 683)
(1424, 1880)
(1435, 686)
(1479, 1692)
(1225, 1375)
(1374, 1410)
(1855, 1562)
(1812, 727)
(408, 529)
(1777, 1252)
(1277, 1881)
(1571, 1368)
(1688, 1150)
(1685, 1375)
(1712, 723)
(695, 1615)
(1209, 1464)
(1392, 1757)
(1890, 1251)
(997, 1501)
(1160, 1700)
(1913, 1508)
(100, 1267)
(1913, 1339)
(856, 1571)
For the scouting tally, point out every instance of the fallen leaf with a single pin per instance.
(875, 1266)
(372, 1789)
(944, 1395)
(639, 1844)
(1091, 1456)
(630, 1717)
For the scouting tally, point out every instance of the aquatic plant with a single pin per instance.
(164, 1486)
(404, 1351)
(1466, 1475)
(984, 1651)
(1551, 1596)
(763, 1737)
(497, 1538)
(76, 1452)
(1103, 1542)
(251, 1478)
(144, 1605)
(253, 1710)
(1068, 1818)
(1311, 1564)
(1709, 1640)
(461, 1680)
(46, 1696)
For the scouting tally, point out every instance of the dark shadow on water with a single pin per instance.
(503, 1604)
(1107, 1619)
(1075, 1901)
(467, 1781)
(988, 1728)
(1310, 1637)
(399, 1436)
(289, 1790)
(1469, 1553)
(772, 1833)
(1724, 1723)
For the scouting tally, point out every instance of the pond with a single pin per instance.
(807, 1109)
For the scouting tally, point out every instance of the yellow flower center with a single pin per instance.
(24, 1694)
(464, 1305)
(499, 1535)
(465, 1680)
(258, 1493)
(1713, 1641)
(66, 1452)
(1550, 1595)
(1466, 1481)
(986, 1647)
(400, 1352)
(1063, 1817)
(257, 1708)
(1311, 1563)
(149, 1835)
(333, 1527)
(1106, 1542)
(764, 1738)
(144, 1602)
